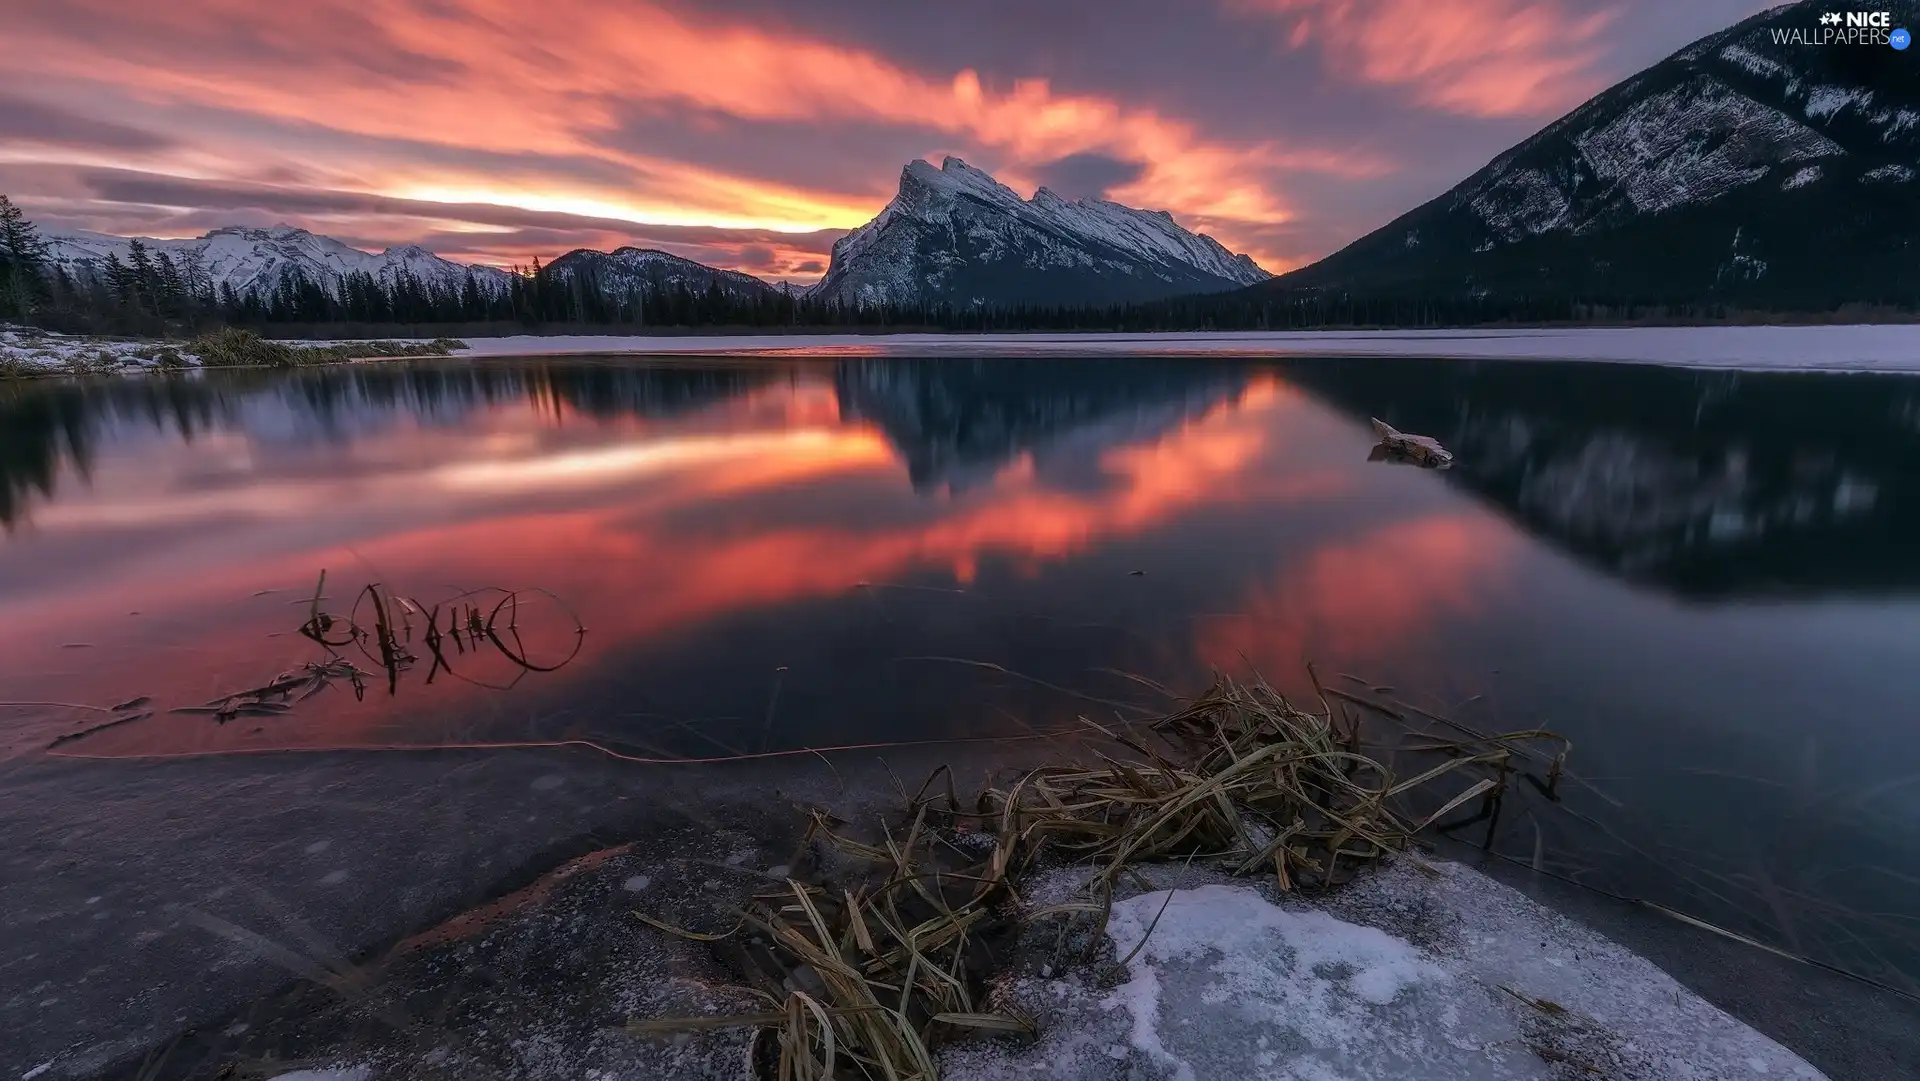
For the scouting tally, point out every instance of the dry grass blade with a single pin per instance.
(1484, 785)
(991, 1022)
(681, 932)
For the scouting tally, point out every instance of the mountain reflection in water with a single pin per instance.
(793, 552)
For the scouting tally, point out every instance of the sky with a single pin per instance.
(750, 134)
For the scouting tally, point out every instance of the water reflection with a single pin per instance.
(1703, 483)
(789, 552)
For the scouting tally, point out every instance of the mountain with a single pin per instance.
(630, 270)
(253, 260)
(955, 235)
(1743, 169)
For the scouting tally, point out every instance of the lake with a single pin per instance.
(1706, 581)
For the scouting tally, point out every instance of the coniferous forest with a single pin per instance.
(150, 295)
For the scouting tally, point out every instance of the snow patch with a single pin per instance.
(1412, 972)
(1306, 973)
(1742, 57)
(1801, 177)
(1655, 152)
(1824, 101)
(1887, 174)
(1522, 203)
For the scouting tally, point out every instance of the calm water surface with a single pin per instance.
(1708, 582)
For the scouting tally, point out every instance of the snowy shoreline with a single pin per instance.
(1864, 348)
(1851, 348)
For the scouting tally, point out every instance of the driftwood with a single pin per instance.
(1398, 446)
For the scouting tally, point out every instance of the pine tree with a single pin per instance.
(170, 296)
(472, 307)
(119, 280)
(23, 263)
(145, 278)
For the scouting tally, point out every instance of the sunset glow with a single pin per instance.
(498, 132)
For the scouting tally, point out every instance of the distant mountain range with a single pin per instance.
(1741, 169)
(255, 260)
(957, 236)
(952, 235)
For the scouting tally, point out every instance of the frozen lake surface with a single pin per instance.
(1867, 348)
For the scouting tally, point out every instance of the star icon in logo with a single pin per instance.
(1830, 18)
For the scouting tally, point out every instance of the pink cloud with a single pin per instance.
(1489, 58)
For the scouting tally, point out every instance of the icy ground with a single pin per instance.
(1421, 971)
(24, 348)
(31, 351)
(1892, 348)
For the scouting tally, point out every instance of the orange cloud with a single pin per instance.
(556, 79)
(1475, 57)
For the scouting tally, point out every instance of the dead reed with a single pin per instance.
(867, 974)
(382, 625)
(384, 628)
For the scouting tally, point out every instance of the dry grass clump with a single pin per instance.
(233, 347)
(867, 978)
(864, 978)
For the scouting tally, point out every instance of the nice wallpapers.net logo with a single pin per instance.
(1847, 28)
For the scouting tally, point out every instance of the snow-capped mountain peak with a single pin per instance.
(954, 234)
(955, 175)
(254, 260)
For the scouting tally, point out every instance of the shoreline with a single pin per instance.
(573, 901)
(1882, 347)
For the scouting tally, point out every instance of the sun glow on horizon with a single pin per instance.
(593, 207)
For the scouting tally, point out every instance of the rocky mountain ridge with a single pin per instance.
(1743, 168)
(954, 235)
